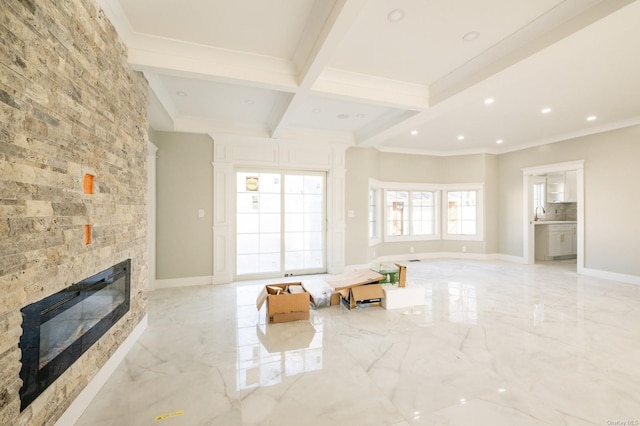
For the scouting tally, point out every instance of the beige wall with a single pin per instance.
(612, 233)
(184, 186)
(611, 201)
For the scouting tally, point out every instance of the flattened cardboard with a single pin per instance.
(352, 279)
(284, 307)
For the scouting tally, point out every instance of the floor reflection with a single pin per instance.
(462, 303)
(269, 352)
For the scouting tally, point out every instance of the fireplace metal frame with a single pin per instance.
(35, 379)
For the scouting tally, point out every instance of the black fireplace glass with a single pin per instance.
(58, 329)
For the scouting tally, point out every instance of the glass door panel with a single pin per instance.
(258, 223)
(304, 215)
(280, 223)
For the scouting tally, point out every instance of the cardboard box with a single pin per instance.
(353, 279)
(351, 288)
(335, 298)
(364, 296)
(393, 274)
(402, 275)
(285, 302)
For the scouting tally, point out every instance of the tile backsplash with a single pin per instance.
(561, 211)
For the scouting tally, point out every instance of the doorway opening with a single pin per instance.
(553, 194)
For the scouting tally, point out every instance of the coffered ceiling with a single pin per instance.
(417, 76)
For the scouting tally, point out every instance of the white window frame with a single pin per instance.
(375, 186)
(542, 201)
(479, 188)
(412, 187)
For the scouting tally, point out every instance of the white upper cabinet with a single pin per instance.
(571, 186)
(562, 187)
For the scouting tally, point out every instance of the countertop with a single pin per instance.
(554, 222)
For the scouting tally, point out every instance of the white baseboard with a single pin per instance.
(439, 255)
(77, 407)
(509, 258)
(181, 282)
(614, 276)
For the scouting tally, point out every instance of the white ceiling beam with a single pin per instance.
(171, 57)
(357, 87)
(340, 20)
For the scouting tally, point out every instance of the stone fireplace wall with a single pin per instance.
(69, 105)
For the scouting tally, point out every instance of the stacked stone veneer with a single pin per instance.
(69, 105)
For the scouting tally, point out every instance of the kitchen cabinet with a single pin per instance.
(555, 240)
(562, 187)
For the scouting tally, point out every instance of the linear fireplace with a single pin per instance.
(58, 329)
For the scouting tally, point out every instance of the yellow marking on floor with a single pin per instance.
(166, 416)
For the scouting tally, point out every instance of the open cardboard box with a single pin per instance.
(392, 274)
(285, 302)
(364, 296)
(358, 289)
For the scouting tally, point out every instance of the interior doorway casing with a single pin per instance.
(528, 176)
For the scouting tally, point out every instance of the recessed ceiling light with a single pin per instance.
(180, 93)
(471, 36)
(343, 116)
(499, 141)
(546, 110)
(316, 110)
(395, 15)
(488, 101)
(461, 137)
(360, 115)
(591, 118)
(414, 132)
(249, 101)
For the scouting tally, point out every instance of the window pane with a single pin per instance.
(294, 222)
(373, 217)
(313, 185)
(397, 205)
(294, 203)
(248, 223)
(423, 209)
(269, 222)
(248, 243)
(462, 212)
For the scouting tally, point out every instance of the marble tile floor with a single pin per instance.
(493, 343)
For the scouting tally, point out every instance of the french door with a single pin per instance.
(280, 223)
